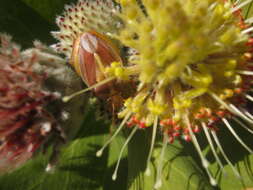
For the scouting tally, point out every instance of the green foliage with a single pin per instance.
(78, 167)
(47, 8)
(24, 23)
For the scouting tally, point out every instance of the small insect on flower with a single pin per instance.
(91, 49)
(91, 53)
(25, 124)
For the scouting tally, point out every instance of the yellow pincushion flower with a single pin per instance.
(192, 67)
(197, 51)
(189, 63)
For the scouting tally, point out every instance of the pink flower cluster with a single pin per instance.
(24, 122)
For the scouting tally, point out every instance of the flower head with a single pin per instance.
(24, 122)
(193, 67)
(190, 61)
(196, 52)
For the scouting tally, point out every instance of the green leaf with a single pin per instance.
(75, 171)
(23, 23)
(48, 9)
(245, 169)
(180, 171)
(183, 169)
(240, 158)
(78, 166)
